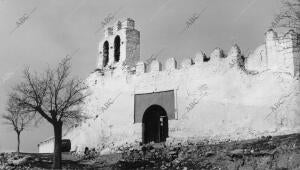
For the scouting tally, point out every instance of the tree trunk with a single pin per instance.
(57, 145)
(18, 145)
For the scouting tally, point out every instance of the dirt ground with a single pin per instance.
(278, 153)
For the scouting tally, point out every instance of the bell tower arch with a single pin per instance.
(124, 45)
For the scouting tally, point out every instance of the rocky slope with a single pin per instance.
(281, 152)
(278, 152)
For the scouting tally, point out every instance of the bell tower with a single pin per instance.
(120, 45)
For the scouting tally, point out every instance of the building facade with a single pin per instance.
(216, 97)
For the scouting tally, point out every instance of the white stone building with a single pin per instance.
(215, 97)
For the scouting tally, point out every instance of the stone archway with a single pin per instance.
(155, 124)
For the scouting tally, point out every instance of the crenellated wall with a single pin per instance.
(216, 97)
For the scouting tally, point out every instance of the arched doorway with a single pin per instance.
(117, 48)
(155, 124)
(105, 53)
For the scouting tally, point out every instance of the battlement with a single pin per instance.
(217, 55)
(216, 58)
(289, 40)
(118, 25)
(280, 53)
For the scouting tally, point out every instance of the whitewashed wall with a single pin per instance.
(214, 100)
(46, 146)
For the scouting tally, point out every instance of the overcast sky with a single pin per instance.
(57, 28)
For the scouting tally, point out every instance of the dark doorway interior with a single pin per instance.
(155, 124)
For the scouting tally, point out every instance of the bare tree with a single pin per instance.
(55, 97)
(289, 17)
(17, 119)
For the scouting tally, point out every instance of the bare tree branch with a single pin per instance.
(54, 96)
(289, 17)
(17, 117)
